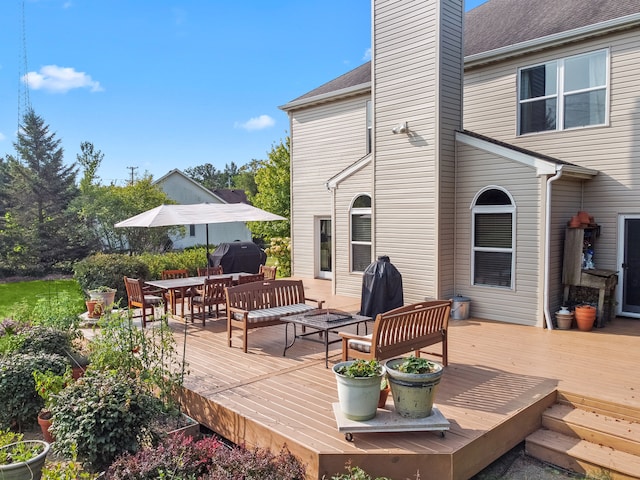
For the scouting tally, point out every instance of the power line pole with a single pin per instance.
(133, 169)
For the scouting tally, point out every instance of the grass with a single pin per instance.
(14, 293)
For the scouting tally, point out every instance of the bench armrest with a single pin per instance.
(242, 312)
(319, 302)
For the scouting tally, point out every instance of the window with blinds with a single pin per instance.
(360, 233)
(493, 239)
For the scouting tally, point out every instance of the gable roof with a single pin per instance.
(232, 195)
(196, 185)
(487, 32)
(499, 23)
(544, 164)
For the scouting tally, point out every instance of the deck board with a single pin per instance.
(500, 377)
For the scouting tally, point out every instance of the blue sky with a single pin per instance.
(163, 84)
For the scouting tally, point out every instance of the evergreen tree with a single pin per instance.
(40, 227)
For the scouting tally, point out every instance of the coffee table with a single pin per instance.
(323, 321)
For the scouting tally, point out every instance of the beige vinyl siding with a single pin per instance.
(450, 114)
(326, 139)
(346, 282)
(411, 64)
(613, 150)
(478, 169)
(566, 196)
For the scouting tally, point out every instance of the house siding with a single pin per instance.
(491, 109)
(346, 282)
(478, 169)
(415, 55)
(325, 140)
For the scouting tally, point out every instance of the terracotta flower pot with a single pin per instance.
(44, 420)
(384, 393)
(585, 317)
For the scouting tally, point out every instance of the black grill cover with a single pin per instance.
(238, 257)
(381, 288)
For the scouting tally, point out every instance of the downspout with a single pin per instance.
(547, 248)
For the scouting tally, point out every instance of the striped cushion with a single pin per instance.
(361, 345)
(152, 299)
(267, 314)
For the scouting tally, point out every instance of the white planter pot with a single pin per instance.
(358, 396)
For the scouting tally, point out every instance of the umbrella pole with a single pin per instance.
(206, 226)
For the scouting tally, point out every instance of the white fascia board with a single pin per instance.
(552, 40)
(542, 167)
(329, 96)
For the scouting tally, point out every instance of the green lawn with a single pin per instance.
(12, 294)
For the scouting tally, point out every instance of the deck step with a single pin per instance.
(589, 436)
(582, 456)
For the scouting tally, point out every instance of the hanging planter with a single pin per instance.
(585, 317)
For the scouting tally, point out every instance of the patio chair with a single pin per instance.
(256, 277)
(269, 272)
(206, 271)
(138, 297)
(213, 293)
(171, 295)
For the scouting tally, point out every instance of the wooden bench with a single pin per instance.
(262, 304)
(402, 330)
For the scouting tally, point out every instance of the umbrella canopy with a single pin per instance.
(197, 214)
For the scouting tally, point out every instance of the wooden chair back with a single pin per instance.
(256, 277)
(269, 272)
(136, 298)
(170, 274)
(212, 293)
(207, 271)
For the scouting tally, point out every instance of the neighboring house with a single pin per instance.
(186, 191)
(465, 169)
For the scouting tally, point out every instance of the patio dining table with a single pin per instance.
(183, 285)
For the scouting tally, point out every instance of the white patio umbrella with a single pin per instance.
(198, 214)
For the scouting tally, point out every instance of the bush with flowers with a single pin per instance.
(280, 251)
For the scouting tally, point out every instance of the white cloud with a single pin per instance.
(367, 54)
(57, 79)
(257, 123)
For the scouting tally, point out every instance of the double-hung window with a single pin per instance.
(360, 233)
(493, 251)
(567, 93)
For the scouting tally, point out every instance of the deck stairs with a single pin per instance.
(592, 437)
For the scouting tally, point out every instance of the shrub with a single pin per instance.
(257, 464)
(280, 250)
(109, 270)
(60, 311)
(176, 457)
(356, 473)
(18, 397)
(46, 340)
(101, 416)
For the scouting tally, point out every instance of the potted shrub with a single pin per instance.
(21, 459)
(359, 387)
(103, 295)
(48, 384)
(413, 385)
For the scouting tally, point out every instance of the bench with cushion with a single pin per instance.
(402, 330)
(262, 304)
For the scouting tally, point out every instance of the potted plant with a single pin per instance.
(359, 387)
(21, 459)
(48, 384)
(585, 317)
(413, 385)
(385, 388)
(103, 295)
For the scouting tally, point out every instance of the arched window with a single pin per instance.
(360, 233)
(493, 214)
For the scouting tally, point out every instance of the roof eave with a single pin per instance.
(552, 40)
(329, 96)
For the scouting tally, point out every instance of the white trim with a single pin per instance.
(620, 259)
(334, 181)
(359, 211)
(317, 241)
(326, 97)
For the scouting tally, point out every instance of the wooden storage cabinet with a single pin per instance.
(575, 246)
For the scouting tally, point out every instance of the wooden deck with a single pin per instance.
(499, 380)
